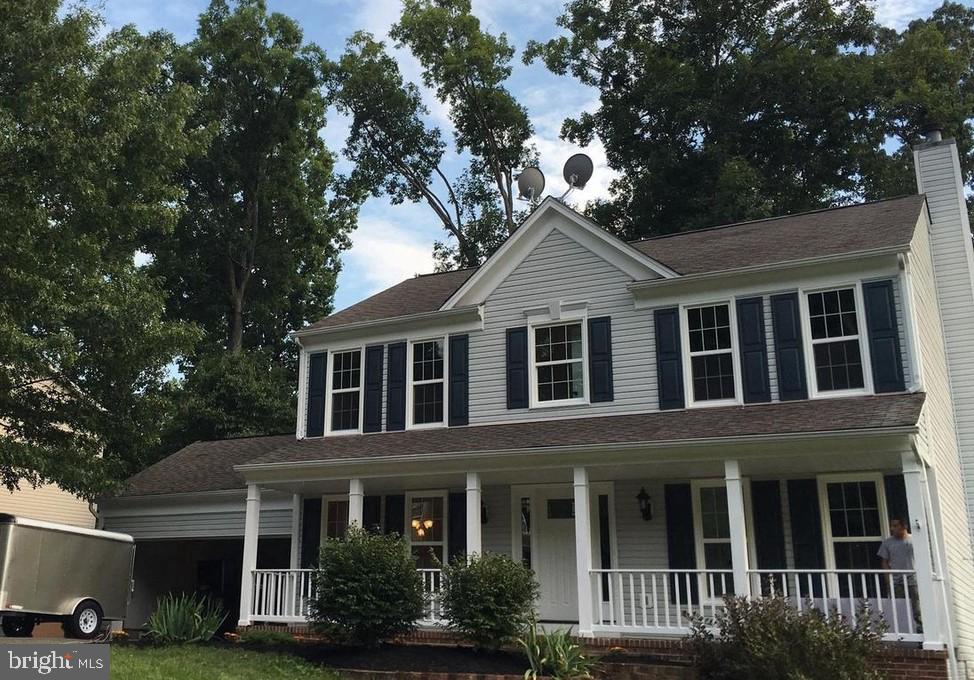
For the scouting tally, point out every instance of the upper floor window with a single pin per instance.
(427, 382)
(834, 333)
(559, 363)
(346, 390)
(712, 358)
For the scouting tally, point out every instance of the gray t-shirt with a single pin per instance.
(899, 553)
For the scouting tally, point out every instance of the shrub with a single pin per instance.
(769, 638)
(266, 637)
(184, 619)
(489, 599)
(554, 654)
(367, 589)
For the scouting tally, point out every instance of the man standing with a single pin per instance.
(896, 554)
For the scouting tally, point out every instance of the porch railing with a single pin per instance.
(889, 595)
(283, 595)
(657, 601)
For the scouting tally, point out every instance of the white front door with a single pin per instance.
(555, 561)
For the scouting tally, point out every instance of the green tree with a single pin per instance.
(926, 79)
(715, 111)
(399, 154)
(92, 132)
(255, 254)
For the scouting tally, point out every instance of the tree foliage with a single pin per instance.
(92, 132)
(722, 111)
(399, 154)
(254, 255)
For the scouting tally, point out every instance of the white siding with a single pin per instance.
(47, 502)
(937, 429)
(561, 270)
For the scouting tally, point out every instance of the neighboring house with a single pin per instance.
(647, 425)
(46, 502)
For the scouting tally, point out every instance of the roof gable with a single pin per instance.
(550, 215)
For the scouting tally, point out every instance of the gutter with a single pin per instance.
(594, 448)
(473, 310)
(637, 286)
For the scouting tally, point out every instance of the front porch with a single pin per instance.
(637, 546)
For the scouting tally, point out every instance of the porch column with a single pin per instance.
(295, 531)
(474, 533)
(738, 527)
(933, 637)
(251, 531)
(583, 552)
(356, 502)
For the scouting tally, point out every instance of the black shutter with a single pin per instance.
(395, 514)
(884, 336)
(754, 350)
(680, 542)
(896, 505)
(310, 532)
(457, 525)
(806, 530)
(373, 388)
(396, 391)
(605, 544)
(769, 530)
(600, 358)
(789, 355)
(517, 367)
(459, 380)
(669, 362)
(315, 425)
(372, 514)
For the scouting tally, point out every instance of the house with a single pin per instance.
(647, 425)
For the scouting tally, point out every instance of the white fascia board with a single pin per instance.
(188, 503)
(442, 322)
(532, 231)
(812, 273)
(715, 448)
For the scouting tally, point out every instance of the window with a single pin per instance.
(336, 518)
(835, 340)
(427, 382)
(559, 363)
(713, 537)
(856, 519)
(346, 390)
(427, 533)
(710, 341)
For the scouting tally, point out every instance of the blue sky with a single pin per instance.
(395, 242)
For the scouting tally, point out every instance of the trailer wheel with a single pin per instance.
(17, 626)
(86, 620)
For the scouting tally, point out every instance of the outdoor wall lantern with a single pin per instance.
(645, 504)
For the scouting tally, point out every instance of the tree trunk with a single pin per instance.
(236, 323)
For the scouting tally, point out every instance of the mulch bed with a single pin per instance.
(418, 658)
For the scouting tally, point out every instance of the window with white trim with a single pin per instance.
(856, 522)
(713, 536)
(427, 530)
(427, 382)
(559, 363)
(835, 338)
(346, 390)
(711, 352)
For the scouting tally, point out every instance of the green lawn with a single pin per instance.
(209, 663)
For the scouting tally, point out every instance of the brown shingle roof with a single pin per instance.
(425, 293)
(832, 231)
(202, 466)
(791, 417)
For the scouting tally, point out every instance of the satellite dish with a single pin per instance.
(530, 183)
(578, 171)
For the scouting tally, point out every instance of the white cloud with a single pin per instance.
(384, 253)
(898, 13)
